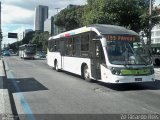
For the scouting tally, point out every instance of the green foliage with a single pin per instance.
(41, 39)
(94, 12)
(70, 18)
(132, 14)
(154, 17)
(34, 37)
(28, 37)
(14, 46)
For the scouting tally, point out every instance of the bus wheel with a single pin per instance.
(157, 61)
(86, 74)
(56, 66)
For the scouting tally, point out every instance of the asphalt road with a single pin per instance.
(36, 88)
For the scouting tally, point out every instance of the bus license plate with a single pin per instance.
(138, 79)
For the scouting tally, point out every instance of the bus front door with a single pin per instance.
(95, 61)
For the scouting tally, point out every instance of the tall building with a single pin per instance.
(41, 14)
(51, 27)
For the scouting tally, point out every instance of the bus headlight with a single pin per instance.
(116, 71)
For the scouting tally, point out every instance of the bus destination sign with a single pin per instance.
(121, 38)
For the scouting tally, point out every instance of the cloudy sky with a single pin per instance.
(18, 15)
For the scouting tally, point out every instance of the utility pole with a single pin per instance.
(150, 24)
(0, 31)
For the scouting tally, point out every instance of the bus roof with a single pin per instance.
(103, 29)
(113, 30)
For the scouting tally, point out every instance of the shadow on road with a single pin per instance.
(22, 85)
(125, 86)
(133, 86)
(25, 85)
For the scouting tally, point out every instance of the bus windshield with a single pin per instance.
(127, 53)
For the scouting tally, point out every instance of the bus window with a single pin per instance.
(69, 46)
(76, 46)
(85, 42)
(51, 45)
(56, 45)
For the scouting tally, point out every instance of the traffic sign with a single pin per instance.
(12, 35)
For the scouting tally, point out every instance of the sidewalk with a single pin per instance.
(5, 106)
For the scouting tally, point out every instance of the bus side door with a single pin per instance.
(95, 60)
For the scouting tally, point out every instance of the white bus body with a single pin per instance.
(27, 51)
(84, 52)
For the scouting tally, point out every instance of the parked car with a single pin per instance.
(6, 53)
(40, 55)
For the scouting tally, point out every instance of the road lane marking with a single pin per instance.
(23, 101)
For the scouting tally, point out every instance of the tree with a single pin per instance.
(34, 37)
(132, 14)
(45, 35)
(28, 37)
(94, 12)
(70, 18)
(14, 46)
(41, 39)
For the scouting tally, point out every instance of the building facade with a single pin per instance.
(51, 27)
(41, 14)
(156, 34)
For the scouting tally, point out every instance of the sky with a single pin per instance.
(17, 15)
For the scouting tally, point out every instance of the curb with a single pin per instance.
(4, 92)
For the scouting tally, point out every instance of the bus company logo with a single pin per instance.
(121, 38)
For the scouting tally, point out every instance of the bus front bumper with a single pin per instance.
(129, 79)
